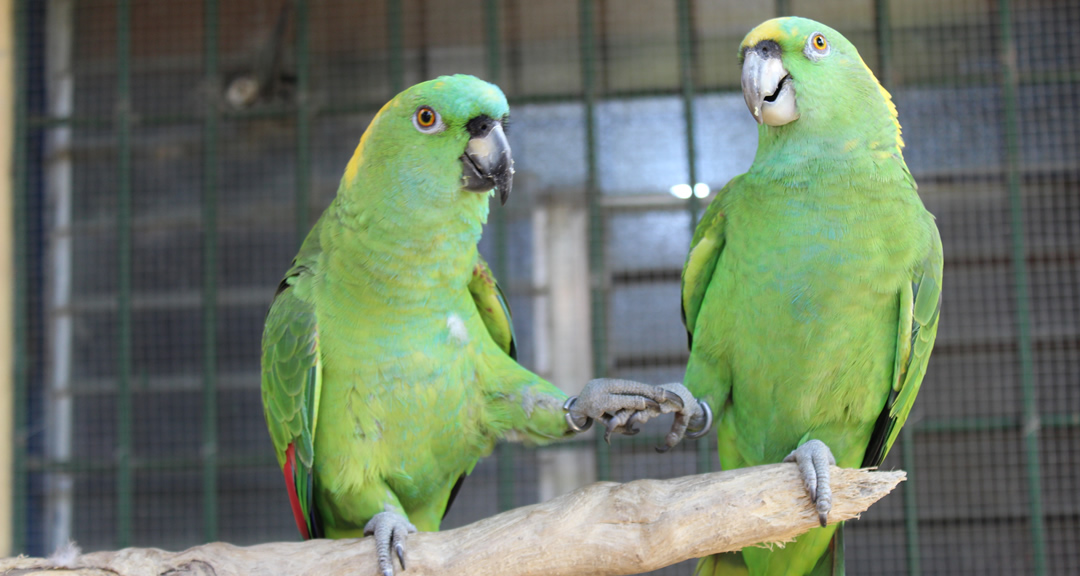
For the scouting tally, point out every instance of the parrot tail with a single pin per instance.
(831, 562)
(307, 522)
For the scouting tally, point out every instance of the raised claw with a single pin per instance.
(391, 529)
(622, 405)
(690, 410)
(813, 459)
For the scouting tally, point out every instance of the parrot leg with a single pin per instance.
(391, 530)
(623, 405)
(813, 459)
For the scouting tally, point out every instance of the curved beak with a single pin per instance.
(487, 162)
(767, 86)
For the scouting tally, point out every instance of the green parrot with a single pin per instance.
(388, 364)
(812, 288)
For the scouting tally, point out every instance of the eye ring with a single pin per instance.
(427, 120)
(817, 46)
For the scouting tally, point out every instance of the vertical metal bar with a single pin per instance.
(209, 264)
(303, 123)
(497, 221)
(597, 280)
(1031, 428)
(22, 282)
(124, 484)
(685, 24)
(57, 171)
(911, 505)
(883, 25)
(395, 26)
(783, 7)
(686, 73)
(883, 32)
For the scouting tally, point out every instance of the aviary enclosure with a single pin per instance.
(170, 155)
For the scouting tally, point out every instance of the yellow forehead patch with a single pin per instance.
(354, 163)
(767, 30)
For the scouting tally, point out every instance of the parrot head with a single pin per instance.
(438, 139)
(799, 72)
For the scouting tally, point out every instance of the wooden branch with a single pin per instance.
(601, 529)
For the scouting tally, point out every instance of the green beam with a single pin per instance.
(497, 222)
(303, 123)
(1031, 428)
(598, 296)
(911, 505)
(687, 64)
(22, 282)
(395, 27)
(124, 481)
(883, 26)
(883, 32)
(686, 72)
(209, 264)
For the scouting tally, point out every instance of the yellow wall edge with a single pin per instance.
(7, 270)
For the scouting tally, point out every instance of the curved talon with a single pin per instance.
(708, 422)
(568, 407)
(673, 398)
(400, 551)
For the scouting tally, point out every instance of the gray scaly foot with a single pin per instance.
(813, 459)
(391, 530)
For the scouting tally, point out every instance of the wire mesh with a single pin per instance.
(171, 155)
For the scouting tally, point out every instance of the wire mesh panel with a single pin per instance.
(173, 154)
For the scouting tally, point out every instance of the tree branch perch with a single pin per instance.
(601, 529)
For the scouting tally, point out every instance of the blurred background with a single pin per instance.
(170, 156)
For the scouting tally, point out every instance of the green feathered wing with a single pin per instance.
(292, 381)
(920, 306)
(292, 372)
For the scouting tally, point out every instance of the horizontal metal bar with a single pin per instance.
(192, 464)
(582, 442)
(288, 111)
(243, 380)
(988, 521)
(174, 300)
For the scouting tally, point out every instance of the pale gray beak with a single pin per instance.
(767, 86)
(487, 162)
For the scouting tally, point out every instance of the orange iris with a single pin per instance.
(425, 117)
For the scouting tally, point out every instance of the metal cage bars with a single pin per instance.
(1029, 425)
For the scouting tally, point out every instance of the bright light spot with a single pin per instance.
(701, 190)
(681, 191)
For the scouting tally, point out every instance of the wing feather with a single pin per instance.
(920, 307)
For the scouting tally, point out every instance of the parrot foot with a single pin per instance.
(813, 459)
(391, 530)
(694, 414)
(623, 405)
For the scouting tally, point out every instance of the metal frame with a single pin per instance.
(1028, 426)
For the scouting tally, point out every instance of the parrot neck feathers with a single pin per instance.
(366, 251)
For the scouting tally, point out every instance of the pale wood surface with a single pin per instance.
(601, 529)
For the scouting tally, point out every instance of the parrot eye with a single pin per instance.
(427, 120)
(816, 46)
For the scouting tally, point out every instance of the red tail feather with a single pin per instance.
(289, 470)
